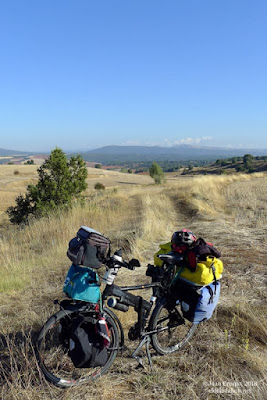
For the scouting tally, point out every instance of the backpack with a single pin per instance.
(82, 283)
(88, 248)
(86, 346)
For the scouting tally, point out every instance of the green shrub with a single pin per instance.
(16, 172)
(99, 186)
(156, 173)
(60, 182)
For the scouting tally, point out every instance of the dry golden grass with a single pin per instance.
(228, 350)
(15, 178)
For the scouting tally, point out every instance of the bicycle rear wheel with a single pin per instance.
(52, 352)
(173, 331)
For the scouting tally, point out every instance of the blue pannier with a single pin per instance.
(82, 283)
(197, 302)
(202, 307)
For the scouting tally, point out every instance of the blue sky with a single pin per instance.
(83, 74)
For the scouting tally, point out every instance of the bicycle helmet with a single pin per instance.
(183, 237)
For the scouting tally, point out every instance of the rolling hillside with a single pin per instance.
(227, 353)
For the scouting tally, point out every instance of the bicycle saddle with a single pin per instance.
(171, 258)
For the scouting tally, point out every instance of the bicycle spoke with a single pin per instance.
(172, 330)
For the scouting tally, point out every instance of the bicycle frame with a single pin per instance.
(140, 305)
(156, 319)
(123, 300)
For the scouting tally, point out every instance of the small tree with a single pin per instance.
(156, 173)
(99, 166)
(247, 158)
(60, 182)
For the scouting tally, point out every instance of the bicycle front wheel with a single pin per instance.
(52, 352)
(172, 330)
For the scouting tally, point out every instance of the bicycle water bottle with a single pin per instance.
(111, 273)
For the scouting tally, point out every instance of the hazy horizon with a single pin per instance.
(66, 150)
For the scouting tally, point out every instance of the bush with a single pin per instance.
(240, 168)
(156, 173)
(16, 172)
(60, 182)
(99, 166)
(99, 186)
(247, 158)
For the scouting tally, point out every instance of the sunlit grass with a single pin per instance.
(228, 348)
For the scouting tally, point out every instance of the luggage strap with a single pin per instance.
(214, 276)
(211, 293)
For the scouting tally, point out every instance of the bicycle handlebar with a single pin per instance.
(132, 264)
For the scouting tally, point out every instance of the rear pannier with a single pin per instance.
(197, 303)
(88, 248)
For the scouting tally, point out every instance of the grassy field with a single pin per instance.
(227, 354)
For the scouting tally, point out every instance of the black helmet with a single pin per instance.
(183, 237)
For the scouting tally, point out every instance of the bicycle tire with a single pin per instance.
(119, 326)
(52, 355)
(173, 331)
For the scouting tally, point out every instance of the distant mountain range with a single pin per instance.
(119, 154)
(7, 153)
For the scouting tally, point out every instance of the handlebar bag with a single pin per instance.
(82, 283)
(86, 346)
(89, 248)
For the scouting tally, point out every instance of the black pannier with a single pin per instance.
(86, 345)
(88, 248)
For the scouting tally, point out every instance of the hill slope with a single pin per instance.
(228, 352)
